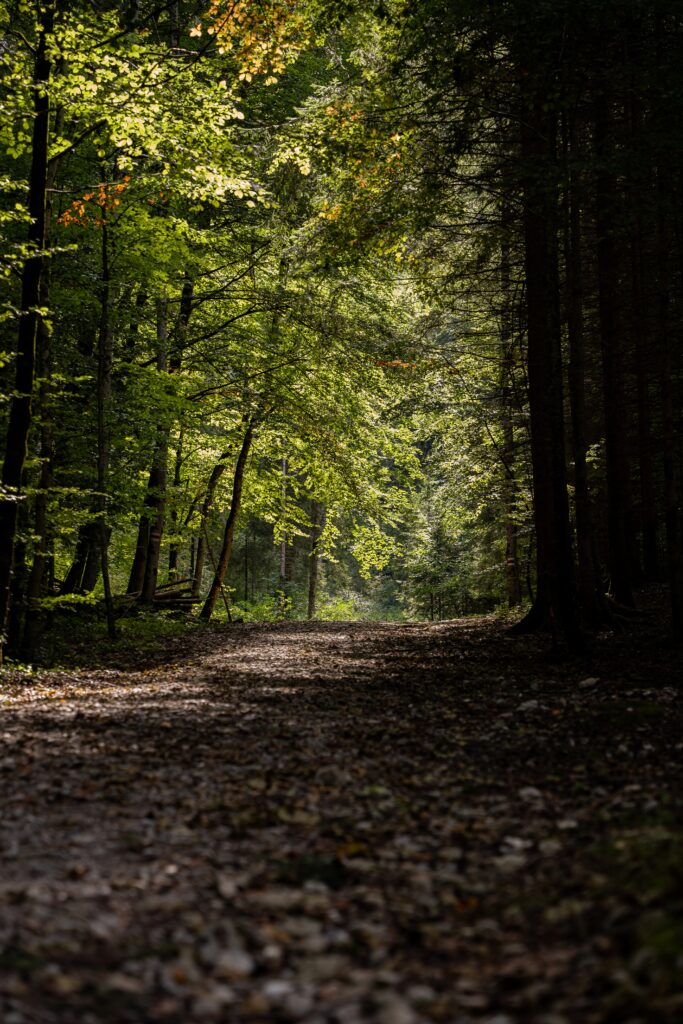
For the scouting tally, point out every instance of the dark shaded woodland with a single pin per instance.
(341, 511)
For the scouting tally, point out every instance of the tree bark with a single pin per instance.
(105, 358)
(621, 539)
(145, 568)
(42, 554)
(31, 292)
(159, 473)
(137, 572)
(512, 577)
(174, 549)
(284, 566)
(73, 580)
(588, 574)
(642, 342)
(673, 472)
(200, 556)
(317, 525)
(555, 601)
(230, 525)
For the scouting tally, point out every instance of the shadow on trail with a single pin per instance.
(333, 822)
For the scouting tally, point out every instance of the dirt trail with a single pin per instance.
(344, 823)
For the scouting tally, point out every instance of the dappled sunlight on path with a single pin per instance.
(343, 822)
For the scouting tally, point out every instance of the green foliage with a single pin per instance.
(286, 191)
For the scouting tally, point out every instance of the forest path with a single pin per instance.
(343, 822)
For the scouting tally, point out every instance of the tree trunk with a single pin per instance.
(317, 525)
(642, 344)
(158, 476)
(145, 568)
(284, 580)
(34, 586)
(230, 525)
(105, 357)
(31, 293)
(555, 596)
(19, 584)
(673, 482)
(191, 572)
(137, 572)
(42, 555)
(246, 565)
(200, 556)
(621, 540)
(174, 549)
(588, 575)
(512, 577)
(73, 580)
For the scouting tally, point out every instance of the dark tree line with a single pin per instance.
(573, 114)
(174, 339)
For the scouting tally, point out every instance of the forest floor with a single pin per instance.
(340, 823)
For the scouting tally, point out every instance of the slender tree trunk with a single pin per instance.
(73, 580)
(214, 566)
(44, 367)
(513, 582)
(588, 575)
(283, 549)
(318, 522)
(174, 549)
(19, 585)
(230, 525)
(145, 568)
(158, 476)
(621, 540)
(246, 564)
(105, 358)
(137, 572)
(642, 344)
(555, 597)
(200, 557)
(31, 293)
(41, 553)
(648, 492)
(673, 473)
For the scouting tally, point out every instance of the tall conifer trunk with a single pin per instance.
(642, 338)
(673, 471)
(621, 540)
(555, 597)
(588, 574)
(512, 576)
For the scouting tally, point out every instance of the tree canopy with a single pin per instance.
(340, 309)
